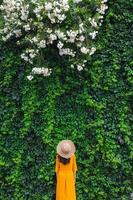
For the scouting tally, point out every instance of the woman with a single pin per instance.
(65, 169)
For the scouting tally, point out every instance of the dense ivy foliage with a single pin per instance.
(93, 108)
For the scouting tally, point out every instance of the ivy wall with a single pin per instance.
(94, 108)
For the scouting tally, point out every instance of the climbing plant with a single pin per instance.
(92, 107)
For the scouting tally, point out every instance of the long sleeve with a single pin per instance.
(57, 165)
(74, 166)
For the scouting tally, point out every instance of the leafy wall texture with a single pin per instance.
(94, 108)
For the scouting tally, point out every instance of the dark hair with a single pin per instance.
(63, 160)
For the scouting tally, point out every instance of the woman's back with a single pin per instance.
(66, 168)
(71, 166)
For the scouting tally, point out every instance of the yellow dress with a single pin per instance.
(65, 187)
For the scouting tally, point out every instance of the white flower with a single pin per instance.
(18, 42)
(84, 50)
(56, 11)
(93, 49)
(27, 27)
(24, 57)
(81, 38)
(72, 35)
(60, 45)
(60, 35)
(79, 44)
(30, 77)
(84, 61)
(79, 67)
(102, 9)
(36, 70)
(41, 70)
(66, 51)
(48, 6)
(61, 17)
(2, 7)
(93, 34)
(49, 30)
(52, 37)
(5, 30)
(35, 39)
(46, 72)
(81, 28)
(32, 55)
(18, 33)
(72, 66)
(77, 1)
(42, 44)
(93, 22)
(37, 10)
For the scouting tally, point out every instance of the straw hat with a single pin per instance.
(66, 148)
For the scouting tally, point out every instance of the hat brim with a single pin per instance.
(59, 151)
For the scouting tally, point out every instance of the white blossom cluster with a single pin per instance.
(15, 12)
(39, 70)
(56, 10)
(41, 25)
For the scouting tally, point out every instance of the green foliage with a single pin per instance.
(93, 108)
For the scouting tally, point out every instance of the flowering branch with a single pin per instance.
(55, 26)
